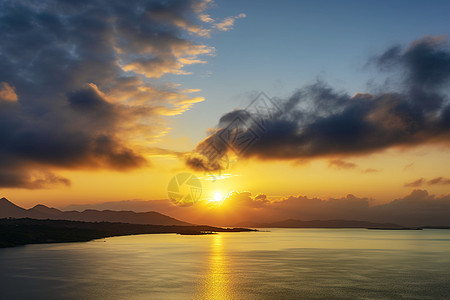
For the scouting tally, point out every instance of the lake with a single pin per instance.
(278, 264)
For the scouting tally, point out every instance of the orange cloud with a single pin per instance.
(7, 92)
(228, 23)
(155, 68)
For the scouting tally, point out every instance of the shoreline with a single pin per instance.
(21, 232)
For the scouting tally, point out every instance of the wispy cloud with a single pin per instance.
(422, 181)
(228, 23)
(370, 170)
(408, 166)
(416, 183)
(439, 181)
(341, 164)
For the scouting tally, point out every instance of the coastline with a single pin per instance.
(21, 232)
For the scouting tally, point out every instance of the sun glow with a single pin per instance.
(217, 198)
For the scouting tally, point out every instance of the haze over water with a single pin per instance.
(282, 263)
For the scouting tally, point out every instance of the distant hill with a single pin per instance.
(45, 210)
(292, 223)
(10, 210)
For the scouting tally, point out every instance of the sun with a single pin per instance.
(217, 198)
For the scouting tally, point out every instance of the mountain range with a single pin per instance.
(10, 210)
(42, 212)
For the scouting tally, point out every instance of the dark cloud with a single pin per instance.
(318, 121)
(416, 209)
(37, 180)
(426, 62)
(74, 81)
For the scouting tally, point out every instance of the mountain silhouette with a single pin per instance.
(45, 210)
(10, 210)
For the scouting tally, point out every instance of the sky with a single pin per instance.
(302, 102)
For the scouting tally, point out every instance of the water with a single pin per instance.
(280, 264)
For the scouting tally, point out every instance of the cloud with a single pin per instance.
(36, 180)
(47, 179)
(418, 208)
(439, 180)
(224, 25)
(422, 181)
(425, 63)
(408, 166)
(76, 82)
(228, 23)
(370, 170)
(415, 183)
(174, 13)
(206, 18)
(318, 121)
(341, 164)
(7, 92)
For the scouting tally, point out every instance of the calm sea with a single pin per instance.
(280, 264)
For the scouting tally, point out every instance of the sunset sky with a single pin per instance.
(107, 101)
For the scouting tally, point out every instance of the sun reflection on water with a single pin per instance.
(217, 282)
